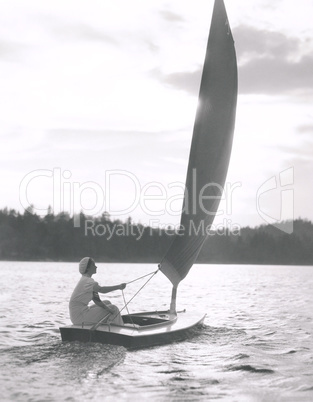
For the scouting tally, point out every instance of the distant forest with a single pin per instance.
(29, 237)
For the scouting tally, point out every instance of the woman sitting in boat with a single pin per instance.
(88, 289)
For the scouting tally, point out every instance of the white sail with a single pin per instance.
(210, 148)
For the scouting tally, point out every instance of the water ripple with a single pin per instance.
(251, 369)
(256, 343)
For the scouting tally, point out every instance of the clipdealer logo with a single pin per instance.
(154, 199)
(280, 189)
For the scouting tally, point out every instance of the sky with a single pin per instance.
(98, 100)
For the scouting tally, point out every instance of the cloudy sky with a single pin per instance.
(98, 100)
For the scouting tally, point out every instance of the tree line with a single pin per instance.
(60, 237)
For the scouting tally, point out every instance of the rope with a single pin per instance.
(137, 279)
(126, 304)
(152, 275)
(132, 322)
(125, 301)
(95, 326)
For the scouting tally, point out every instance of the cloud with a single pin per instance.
(306, 129)
(298, 153)
(184, 81)
(251, 42)
(272, 63)
(76, 31)
(170, 16)
(44, 31)
(269, 63)
(10, 50)
(274, 76)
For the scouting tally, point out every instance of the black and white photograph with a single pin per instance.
(156, 235)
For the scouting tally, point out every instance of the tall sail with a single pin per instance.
(210, 148)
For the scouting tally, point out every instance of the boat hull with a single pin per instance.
(151, 328)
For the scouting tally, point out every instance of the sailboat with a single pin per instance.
(208, 164)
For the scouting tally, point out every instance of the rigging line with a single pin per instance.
(152, 275)
(126, 304)
(127, 308)
(137, 279)
(95, 326)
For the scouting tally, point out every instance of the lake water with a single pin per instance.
(256, 344)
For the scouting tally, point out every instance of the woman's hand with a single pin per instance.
(122, 286)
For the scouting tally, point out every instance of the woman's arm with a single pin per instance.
(107, 289)
(96, 299)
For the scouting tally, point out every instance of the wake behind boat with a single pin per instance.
(208, 164)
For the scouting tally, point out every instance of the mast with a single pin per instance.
(173, 300)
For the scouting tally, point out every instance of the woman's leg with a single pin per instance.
(97, 313)
(116, 316)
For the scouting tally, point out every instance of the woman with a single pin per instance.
(85, 291)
